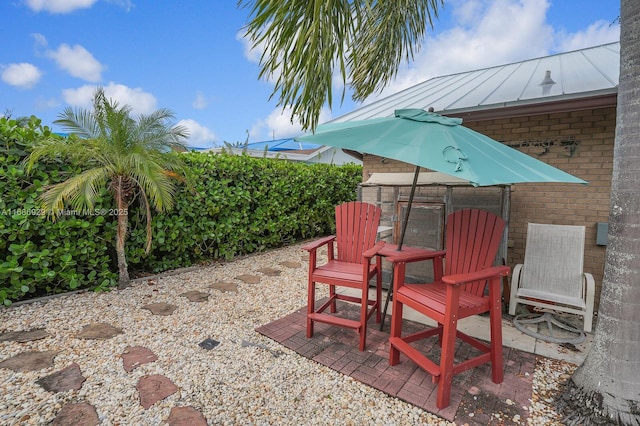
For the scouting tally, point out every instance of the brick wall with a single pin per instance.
(578, 142)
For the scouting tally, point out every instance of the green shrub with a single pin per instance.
(240, 205)
(38, 256)
(243, 205)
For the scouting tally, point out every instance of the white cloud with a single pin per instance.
(41, 40)
(278, 125)
(140, 101)
(199, 136)
(22, 75)
(44, 103)
(127, 5)
(599, 32)
(58, 6)
(200, 102)
(486, 33)
(78, 61)
(251, 53)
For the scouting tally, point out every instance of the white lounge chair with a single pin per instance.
(552, 277)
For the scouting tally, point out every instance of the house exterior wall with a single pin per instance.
(578, 142)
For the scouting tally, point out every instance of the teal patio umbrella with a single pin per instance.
(441, 144)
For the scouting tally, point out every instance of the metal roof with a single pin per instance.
(579, 74)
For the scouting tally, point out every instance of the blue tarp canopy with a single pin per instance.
(288, 144)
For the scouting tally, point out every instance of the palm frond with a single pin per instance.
(305, 42)
(388, 33)
(79, 192)
(79, 122)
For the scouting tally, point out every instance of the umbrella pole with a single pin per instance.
(406, 216)
(404, 230)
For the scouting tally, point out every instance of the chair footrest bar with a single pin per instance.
(481, 346)
(471, 363)
(348, 298)
(422, 335)
(329, 319)
(414, 355)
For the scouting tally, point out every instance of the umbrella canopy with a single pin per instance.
(441, 144)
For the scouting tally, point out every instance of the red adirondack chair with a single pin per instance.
(472, 241)
(355, 240)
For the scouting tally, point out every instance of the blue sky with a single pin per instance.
(190, 57)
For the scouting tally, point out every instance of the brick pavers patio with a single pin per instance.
(475, 399)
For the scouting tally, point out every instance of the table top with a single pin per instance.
(391, 249)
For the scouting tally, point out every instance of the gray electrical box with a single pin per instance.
(602, 233)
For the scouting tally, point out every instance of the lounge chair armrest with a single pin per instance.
(483, 274)
(410, 254)
(318, 243)
(373, 250)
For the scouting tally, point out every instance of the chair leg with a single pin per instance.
(364, 310)
(332, 294)
(379, 291)
(495, 319)
(311, 302)
(396, 331)
(448, 338)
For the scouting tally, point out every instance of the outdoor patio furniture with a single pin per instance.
(356, 229)
(552, 279)
(461, 274)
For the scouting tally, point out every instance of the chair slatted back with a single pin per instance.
(356, 229)
(473, 238)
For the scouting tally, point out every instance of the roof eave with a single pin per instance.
(563, 103)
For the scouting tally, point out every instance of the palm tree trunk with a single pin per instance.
(123, 221)
(605, 389)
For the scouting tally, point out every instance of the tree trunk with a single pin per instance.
(606, 388)
(123, 221)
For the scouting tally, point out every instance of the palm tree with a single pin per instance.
(365, 40)
(127, 156)
(606, 386)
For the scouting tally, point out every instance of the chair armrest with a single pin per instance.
(318, 243)
(410, 254)
(515, 284)
(374, 250)
(483, 274)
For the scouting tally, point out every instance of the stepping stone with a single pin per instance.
(249, 279)
(30, 361)
(77, 414)
(98, 330)
(135, 356)
(270, 272)
(185, 416)
(24, 336)
(196, 296)
(164, 309)
(289, 264)
(154, 388)
(70, 378)
(208, 344)
(224, 286)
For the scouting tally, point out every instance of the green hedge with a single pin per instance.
(38, 256)
(238, 205)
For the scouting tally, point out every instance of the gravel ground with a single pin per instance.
(246, 379)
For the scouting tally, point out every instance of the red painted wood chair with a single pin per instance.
(352, 266)
(472, 241)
